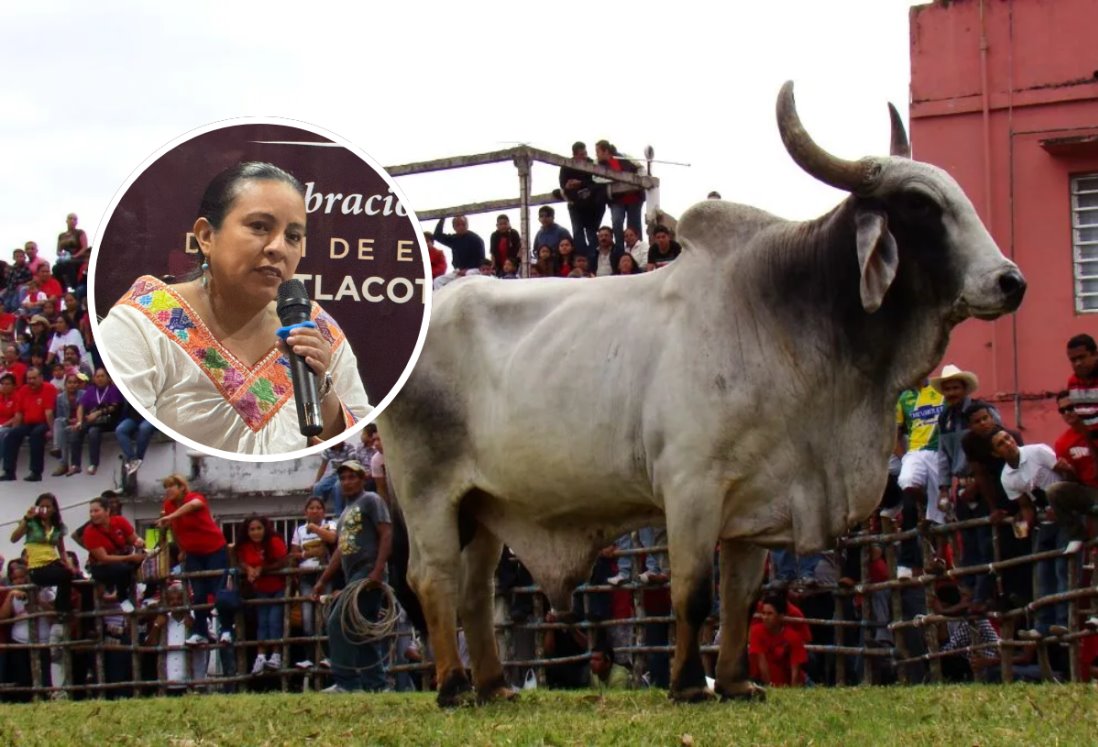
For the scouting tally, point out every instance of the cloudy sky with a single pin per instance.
(90, 90)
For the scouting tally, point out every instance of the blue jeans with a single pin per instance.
(788, 566)
(649, 537)
(1052, 577)
(203, 589)
(268, 617)
(618, 216)
(126, 439)
(328, 489)
(356, 666)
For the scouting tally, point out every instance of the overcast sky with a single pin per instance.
(90, 90)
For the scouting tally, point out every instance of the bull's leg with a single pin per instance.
(434, 566)
(742, 566)
(479, 560)
(691, 542)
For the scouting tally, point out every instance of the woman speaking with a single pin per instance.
(202, 355)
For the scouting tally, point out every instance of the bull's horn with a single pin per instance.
(851, 176)
(900, 145)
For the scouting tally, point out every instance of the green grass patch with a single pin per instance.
(954, 715)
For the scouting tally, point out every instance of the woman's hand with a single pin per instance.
(311, 345)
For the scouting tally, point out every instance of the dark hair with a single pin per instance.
(606, 650)
(428, 236)
(6, 376)
(503, 216)
(975, 407)
(546, 210)
(371, 428)
(714, 195)
(222, 190)
(949, 594)
(102, 503)
(64, 315)
(608, 146)
(316, 498)
(605, 228)
(661, 229)
(1063, 394)
(617, 270)
(1083, 341)
(777, 601)
(242, 531)
(995, 432)
(56, 518)
(578, 146)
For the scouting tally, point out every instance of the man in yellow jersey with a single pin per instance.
(917, 414)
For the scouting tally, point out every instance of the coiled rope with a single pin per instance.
(356, 626)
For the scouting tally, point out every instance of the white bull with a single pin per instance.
(744, 394)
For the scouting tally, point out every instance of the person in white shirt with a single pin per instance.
(1030, 470)
(309, 547)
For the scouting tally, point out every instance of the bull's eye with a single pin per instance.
(917, 205)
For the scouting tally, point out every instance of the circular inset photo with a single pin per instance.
(259, 289)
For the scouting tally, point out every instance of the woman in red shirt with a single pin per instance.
(204, 549)
(259, 553)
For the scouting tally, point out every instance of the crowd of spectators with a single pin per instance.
(953, 461)
(591, 248)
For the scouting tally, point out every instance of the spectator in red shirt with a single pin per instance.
(1072, 447)
(624, 205)
(504, 243)
(47, 283)
(776, 650)
(204, 547)
(438, 259)
(113, 550)
(259, 553)
(33, 420)
(11, 364)
(7, 406)
(1073, 502)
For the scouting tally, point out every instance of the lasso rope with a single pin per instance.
(356, 626)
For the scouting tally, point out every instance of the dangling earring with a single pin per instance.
(205, 268)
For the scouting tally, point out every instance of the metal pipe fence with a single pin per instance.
(877, 631)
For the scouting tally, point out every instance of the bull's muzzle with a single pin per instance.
(1013, 287)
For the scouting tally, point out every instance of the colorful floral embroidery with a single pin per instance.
(256, 393)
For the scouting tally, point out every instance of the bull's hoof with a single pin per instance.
(504, 693)
(692, 695)
(747, 691)
(456, 691)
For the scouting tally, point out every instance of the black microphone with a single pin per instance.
(294, 308)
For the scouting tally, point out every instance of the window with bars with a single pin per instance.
(1084, 238)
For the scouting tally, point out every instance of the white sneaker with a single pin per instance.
(326, 663)
(274, 661)
(196, 640)
(304, 664)
(260, 664)
(127, 607)
(226, 637)
(1091, 622)
(618, 579)
(335, 690)
(133, 466)
(902, 571)
(1073, 547)
(1030, 635)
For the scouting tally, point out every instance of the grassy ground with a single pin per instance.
(965, 715)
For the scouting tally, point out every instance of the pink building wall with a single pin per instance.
(981, 110)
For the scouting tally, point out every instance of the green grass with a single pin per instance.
(869, 717)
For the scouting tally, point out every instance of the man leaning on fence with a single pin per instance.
(365, 540)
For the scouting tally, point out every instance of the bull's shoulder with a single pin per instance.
(718, 226)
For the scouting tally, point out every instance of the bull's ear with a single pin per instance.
(878, 257)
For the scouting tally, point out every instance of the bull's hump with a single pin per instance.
(718, 226)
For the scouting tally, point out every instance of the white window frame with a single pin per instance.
(1084, 269)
